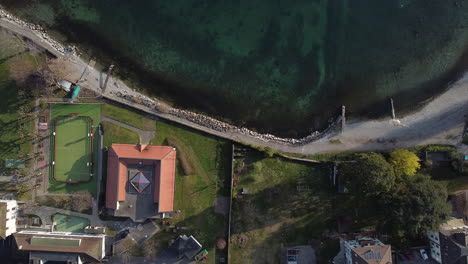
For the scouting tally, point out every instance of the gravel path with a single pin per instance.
(441, 121)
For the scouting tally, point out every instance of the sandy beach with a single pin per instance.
(441, 121)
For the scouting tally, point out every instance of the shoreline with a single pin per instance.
(417, 126)
(60, 51)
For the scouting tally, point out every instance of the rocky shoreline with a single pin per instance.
(155, 105)
(220, 126)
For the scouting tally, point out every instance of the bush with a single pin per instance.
(82, 202)
(404, 162)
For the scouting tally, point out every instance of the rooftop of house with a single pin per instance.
(375, 254)
(185, 246)
(363, 242)
(88, 245)
(141, 179)
(454, 241)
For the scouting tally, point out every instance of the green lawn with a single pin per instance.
(116, 134)
(72, 149)
(287, 202)
(93, 111)
(195, 194)
(15, 132)
(129, 117)
(68, 223)
(11, 144)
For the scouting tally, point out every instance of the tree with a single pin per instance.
(416, 206)
(82, 201)
(404, 162)
(369, 175)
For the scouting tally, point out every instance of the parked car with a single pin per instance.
(423, 254)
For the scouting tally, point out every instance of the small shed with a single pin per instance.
(75, 92)
(66, 85)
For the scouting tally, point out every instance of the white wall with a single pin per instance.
(434, 241)
(12, 209)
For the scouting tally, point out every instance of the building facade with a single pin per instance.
(449, 245)
(8, 211)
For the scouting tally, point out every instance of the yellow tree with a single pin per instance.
(404, 162)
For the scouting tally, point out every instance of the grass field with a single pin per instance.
(129, 117)
(288, 203)
(72, 148)
(68, 223)
(11, 144)
(116, 134)
(77, 162)
(195, 194)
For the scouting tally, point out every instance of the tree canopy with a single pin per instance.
(417, 206)
(369, 175)
(404, 162)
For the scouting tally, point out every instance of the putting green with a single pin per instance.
(73, 148)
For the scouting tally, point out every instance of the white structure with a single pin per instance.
(8, 210)
(434, 241)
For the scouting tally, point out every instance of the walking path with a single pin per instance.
(441, 121)
(145, 136)
(46, 213)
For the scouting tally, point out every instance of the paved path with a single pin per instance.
(145, 136)
(46, 213)
(441, 121)
(99, 175)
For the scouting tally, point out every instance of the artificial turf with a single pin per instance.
(68, 223)
(72, 146)
(90, 110)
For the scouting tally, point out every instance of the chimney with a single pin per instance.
(142, 147)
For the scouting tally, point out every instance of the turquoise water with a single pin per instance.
(277, 66)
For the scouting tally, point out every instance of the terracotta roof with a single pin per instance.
(120, 155)
(372, 255)
(89, 245)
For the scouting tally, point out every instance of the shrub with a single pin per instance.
(404, 162)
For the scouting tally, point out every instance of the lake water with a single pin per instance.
(276, 66)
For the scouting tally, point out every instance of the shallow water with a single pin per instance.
(279, 66)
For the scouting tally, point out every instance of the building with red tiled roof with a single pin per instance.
(140, 180)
